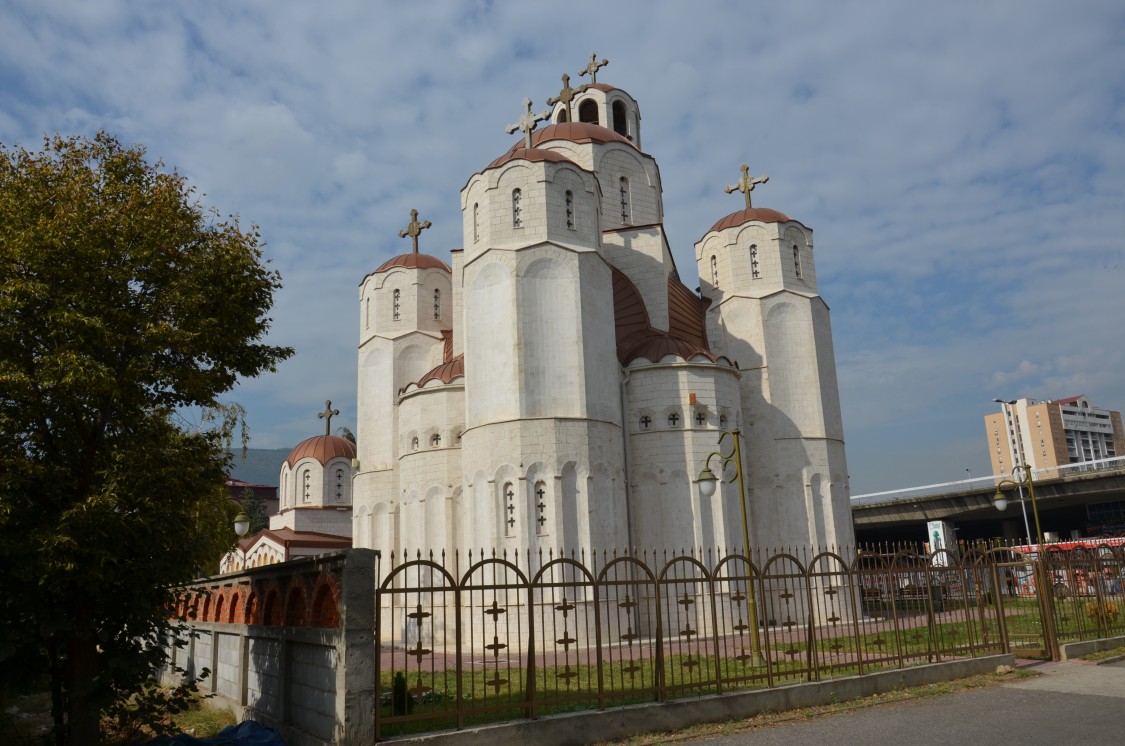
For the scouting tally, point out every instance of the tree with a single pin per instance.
(256, 511)
(123, 301)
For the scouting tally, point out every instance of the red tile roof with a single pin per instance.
(413, 260)
(323, 448)
(761, 214)
(446, 373)
(636, 338)
(535, 155)
(581, 132)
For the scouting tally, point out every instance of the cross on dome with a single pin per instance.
(528, 122)
(327, 415)
(566, 95)
(592, 68)
(414, 230)
(746, 184)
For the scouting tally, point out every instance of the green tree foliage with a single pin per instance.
(256, 511)
(122, 302)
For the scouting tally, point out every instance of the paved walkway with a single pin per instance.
(1070, 703)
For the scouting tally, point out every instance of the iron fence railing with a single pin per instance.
(478, 638)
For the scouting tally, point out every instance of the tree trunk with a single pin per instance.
(82, 710)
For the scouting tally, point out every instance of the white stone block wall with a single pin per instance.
(612, 162)
(644, 257)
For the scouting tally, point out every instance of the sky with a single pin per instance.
(962, 165)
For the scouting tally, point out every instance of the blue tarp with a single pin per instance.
(246, 733)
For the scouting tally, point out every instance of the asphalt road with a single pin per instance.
(1070, 703)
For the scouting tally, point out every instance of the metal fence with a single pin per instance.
(486, 637)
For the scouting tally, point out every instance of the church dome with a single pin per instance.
(535, 155)
(413, 260)
(323, 448)
(580, 132)
(750, 214)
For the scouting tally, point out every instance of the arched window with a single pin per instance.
(540, 508)
(367, 313)
(796, 260)
(437, 304)
(339, 485)
(754, 273)
(397, 298)
(307, 485)
(476, 223)
(562, 116)
(435, 440)
(623, 189)
(714, 271)
(517, 208)
(414, 443)
(508, 514)
(570, 209)
(588, 111)
(620, 123)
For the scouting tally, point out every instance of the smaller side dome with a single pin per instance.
(323, 448)
(750, 214)
(535, 155)
(413, 261)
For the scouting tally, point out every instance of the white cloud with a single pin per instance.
(963, 166)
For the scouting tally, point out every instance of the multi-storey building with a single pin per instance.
(1046, 435)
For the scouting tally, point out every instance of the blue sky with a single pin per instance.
(962, 165)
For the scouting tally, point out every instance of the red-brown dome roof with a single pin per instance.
(581, 132)
(323, 448)
(658, 344)
(445, 372)
(761, 214)
(535, 155)
(413, 260)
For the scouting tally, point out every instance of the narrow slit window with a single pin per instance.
(517, 209)
(623, 187)
(797, 260)
(397, 298)
(437, 304)
(570, 209)
(476, 222)
(509, 515)
(754, 272)
(714, 271)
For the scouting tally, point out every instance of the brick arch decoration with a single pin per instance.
(205, 613)
(271, 608)
(296, 606)
(220, 602)
(251, 610)
(233, 614)
(326, 602)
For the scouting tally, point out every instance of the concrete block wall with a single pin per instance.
(313, 684)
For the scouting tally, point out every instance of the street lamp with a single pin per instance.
(708, 482)
(241, 523)
(1001, 502)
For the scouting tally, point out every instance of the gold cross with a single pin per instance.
(593, 67)
(414, 229)
(566, 95)
(527, 122)
(746, 184)
(326, 415)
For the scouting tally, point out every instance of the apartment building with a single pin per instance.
(1049, 434)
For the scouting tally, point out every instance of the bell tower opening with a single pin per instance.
(588, 111)
(620, 119)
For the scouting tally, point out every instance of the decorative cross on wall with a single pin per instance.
(700, 419)
(592, 68)
(528, 122)
(414, 229)
(646, 421)
(327, 415)
(542, 506)
(746, 184)
(673, 419)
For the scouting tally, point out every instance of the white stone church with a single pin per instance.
(554, 384)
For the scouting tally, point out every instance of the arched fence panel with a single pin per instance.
(629, 612)
(417, 672)
(742, 659)
(785, 608)
(687, 621)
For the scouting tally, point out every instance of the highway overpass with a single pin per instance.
(1067, 499)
